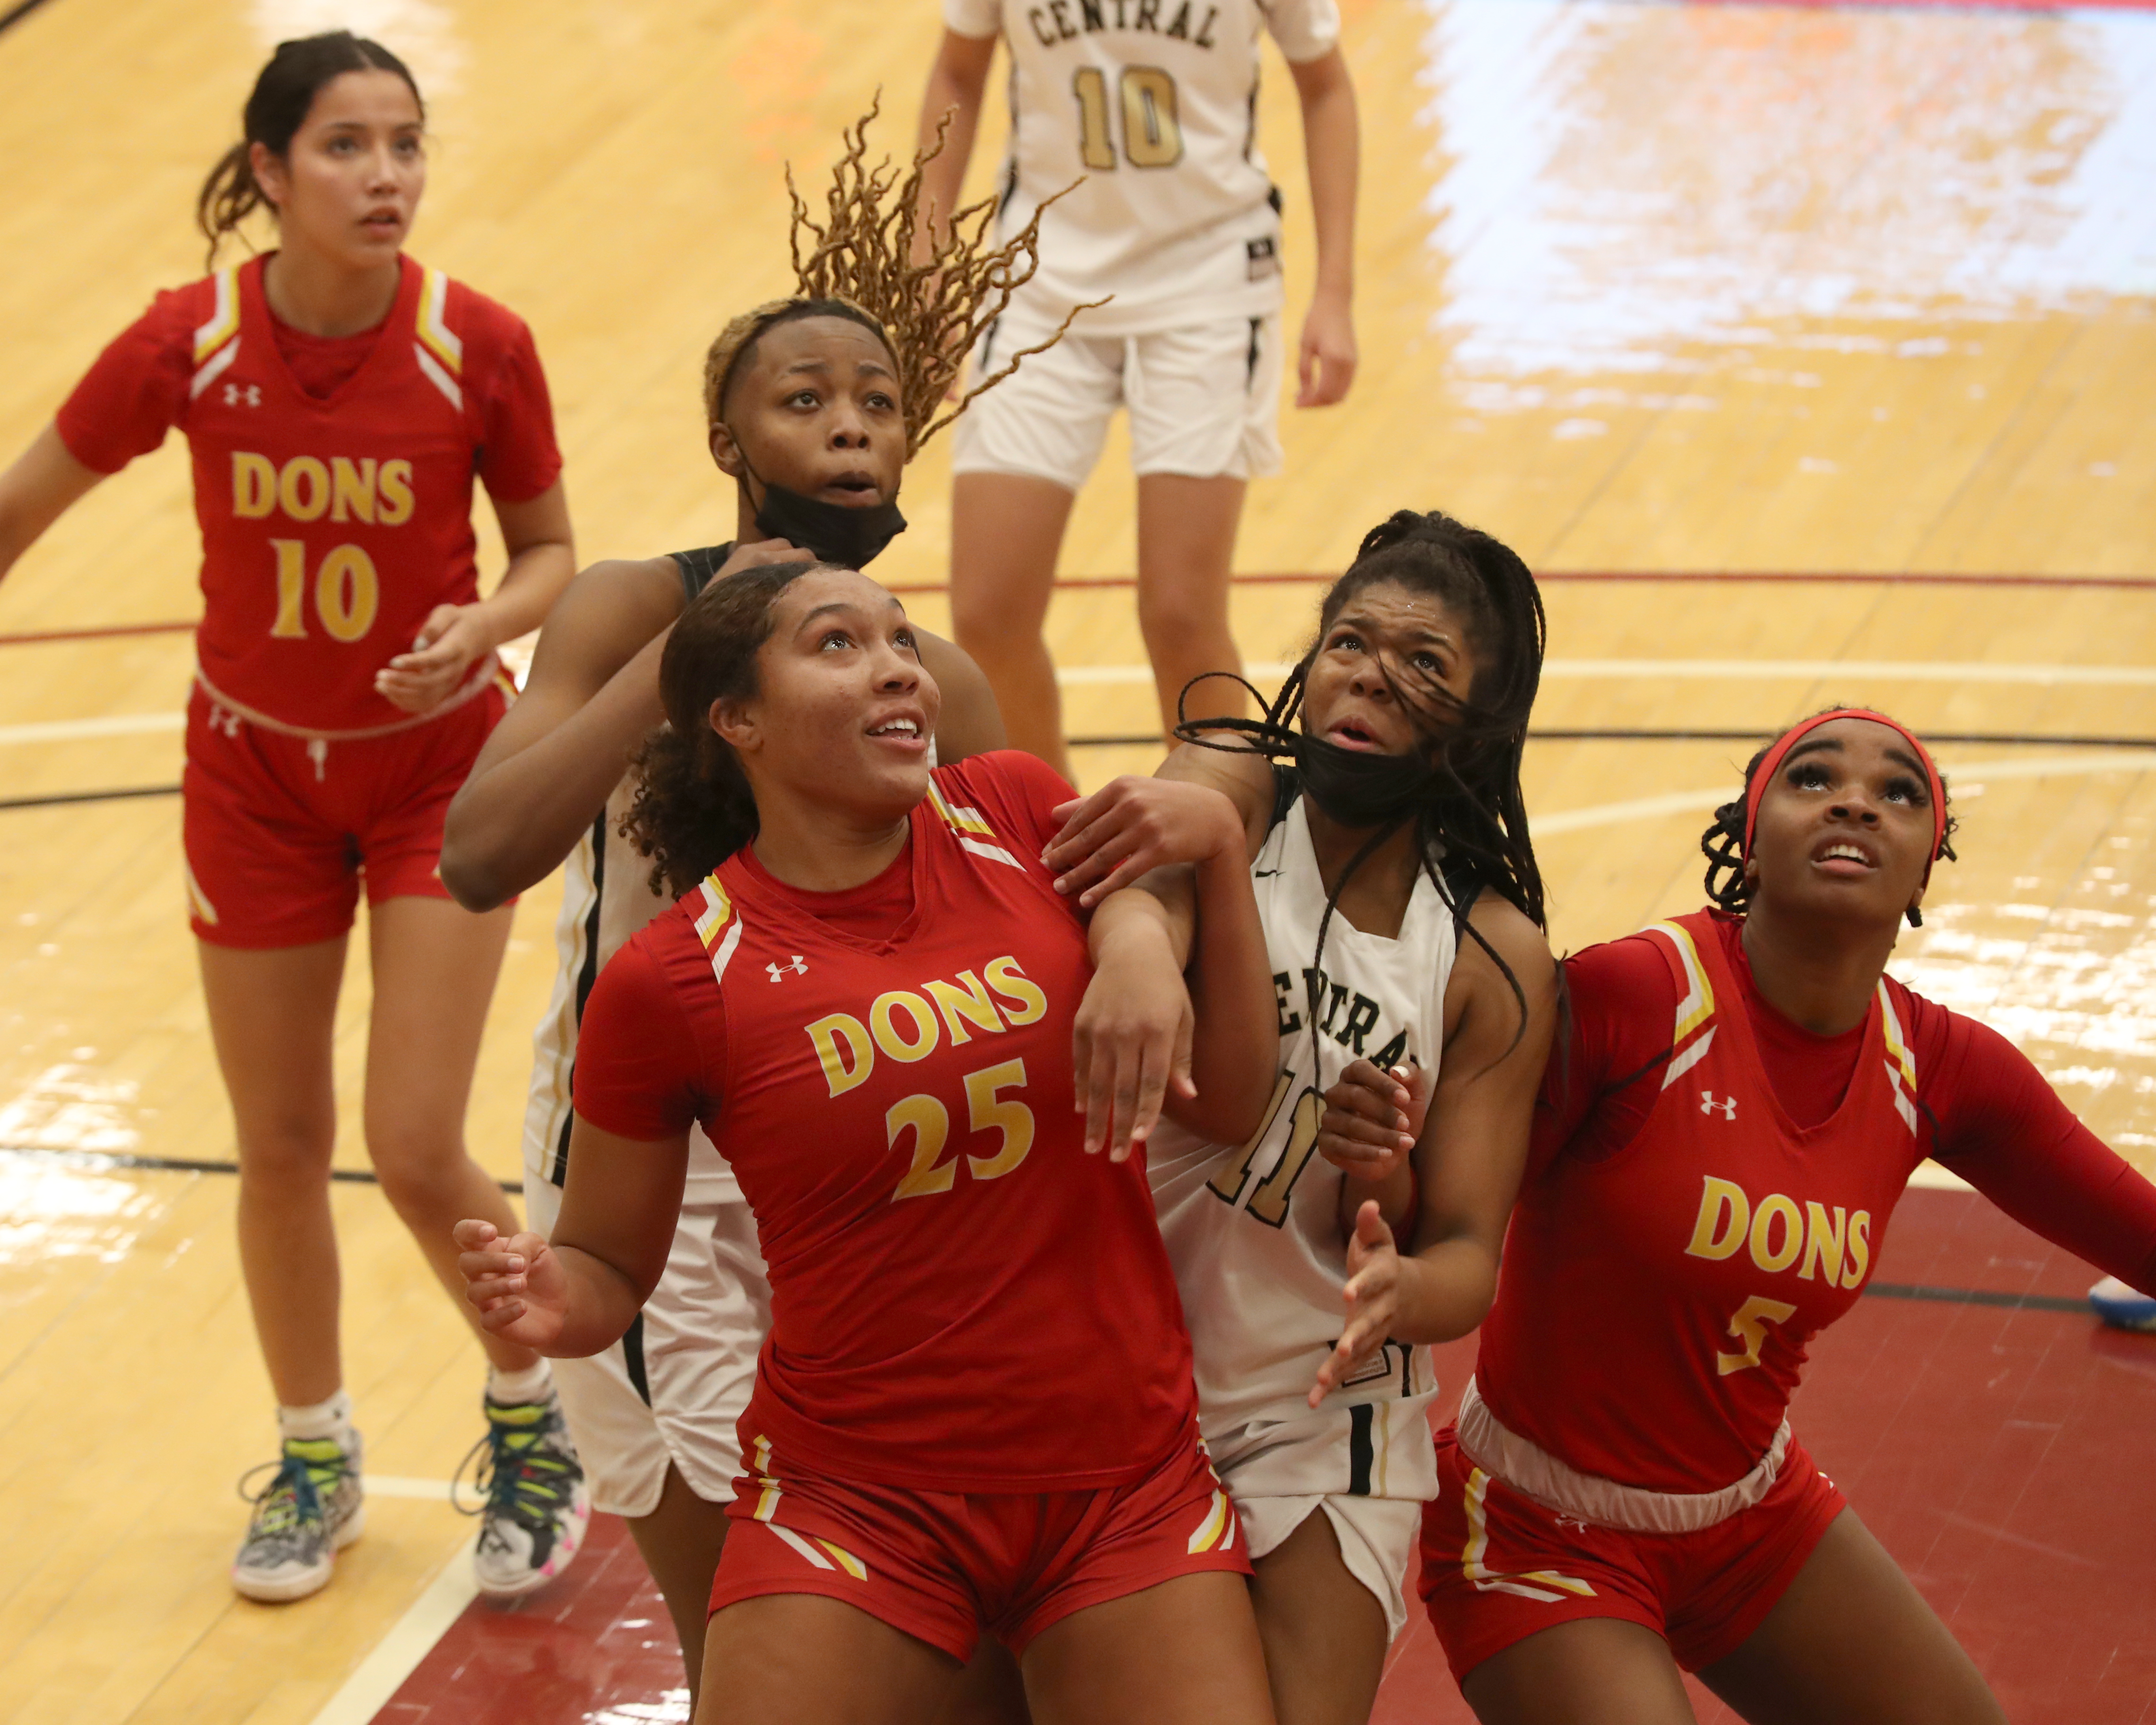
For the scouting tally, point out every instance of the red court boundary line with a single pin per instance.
(1555, 577)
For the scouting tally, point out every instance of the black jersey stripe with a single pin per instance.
(632, 1356)
(587, 974)
(1360, 1418)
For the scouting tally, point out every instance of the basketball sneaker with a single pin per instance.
(2123, 1306)
(537, 1505)
(309, 1510)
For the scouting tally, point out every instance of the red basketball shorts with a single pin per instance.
(1497, 1567)
(279, 831)
(941, 1566)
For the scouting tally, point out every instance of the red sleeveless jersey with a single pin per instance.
(961, 1299)
(331, 526)
(1654, 1306)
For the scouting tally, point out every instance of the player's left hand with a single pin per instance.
(1131, 826)
(452, 637)
(1373, 1119)
(1372, 1297)
(1131, 1043)
(1324, 365)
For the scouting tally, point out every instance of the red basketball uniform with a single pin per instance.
(1650, 1321)
(333, 486)
(967, 1309)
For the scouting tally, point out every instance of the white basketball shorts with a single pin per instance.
(672, 1388)
(1369, 1467)
(1203, 400)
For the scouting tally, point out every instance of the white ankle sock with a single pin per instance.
(331, 1418)
(514, 1389)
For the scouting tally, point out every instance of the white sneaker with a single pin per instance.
(2124, 1307)
(537, 1505)
(311, 1509)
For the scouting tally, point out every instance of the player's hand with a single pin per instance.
(1130, 827)
(1132, 1041)
(754, 553)
(1373, 1118)
(1372, 1299)
(1324, 365)
(517, 1285)
(442, 653)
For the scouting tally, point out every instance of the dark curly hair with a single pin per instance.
(1474, 811)
(1722, 844)
(693, 809)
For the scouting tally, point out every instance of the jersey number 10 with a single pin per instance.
(1152, 128)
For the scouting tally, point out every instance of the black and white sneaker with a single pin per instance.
(537, 1504)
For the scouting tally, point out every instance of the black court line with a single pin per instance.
(1569, 734)
(1976, 1296)
(15, 14)
(62, 797)
(365, 1176)
(100, 1160)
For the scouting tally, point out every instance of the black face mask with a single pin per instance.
(830, 532)
(1360, 789)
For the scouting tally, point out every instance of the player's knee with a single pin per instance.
(1174, 620)
(281, 1154)
(419, 1169)
(989, 620)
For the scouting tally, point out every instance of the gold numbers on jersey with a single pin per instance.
(347, 592)
(1269, 1204)
(1749, 1325)
(1151, 116)
(987, 1109)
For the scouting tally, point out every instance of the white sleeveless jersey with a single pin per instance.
(606, 897)
(1154, 103)
(1253, 1230)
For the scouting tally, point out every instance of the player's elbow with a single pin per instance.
(475, 872)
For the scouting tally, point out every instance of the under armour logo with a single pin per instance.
(1708, 1102)
(220, 719)
(235, 393)
(799, 967)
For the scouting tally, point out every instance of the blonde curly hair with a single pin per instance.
(861, 263)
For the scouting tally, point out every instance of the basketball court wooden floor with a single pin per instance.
(1804, 351)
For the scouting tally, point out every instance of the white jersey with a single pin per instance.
(1154, 103)
(606, 897)
(1253, 1230)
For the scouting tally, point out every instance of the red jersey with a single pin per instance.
(332, 523)
(1709, 1186)
(961, 1299)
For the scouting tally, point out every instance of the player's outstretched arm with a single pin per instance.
(542, 558)
(969, 721)
(958, 80)
(577, 1294)
(1469, 1158)
(36, 491)
(1325, 360)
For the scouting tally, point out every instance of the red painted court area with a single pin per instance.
(2003, 1452)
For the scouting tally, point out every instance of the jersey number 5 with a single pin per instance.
(930, 1122)
(1749, 1325)
(1152, 126)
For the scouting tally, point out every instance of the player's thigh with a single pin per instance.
(991, 1692)
(1324, 1631)
(1184, 1652)
(1006, 533)
(435, 965)
(272, 1013)
(1592, 1670)
(783, 1659)
(1851, 1642)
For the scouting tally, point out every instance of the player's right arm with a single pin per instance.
(548, 769)
(959, 80)
(45, 481)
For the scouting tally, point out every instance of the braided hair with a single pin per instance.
(1474, 810)
(860, 264)
(1722, 844)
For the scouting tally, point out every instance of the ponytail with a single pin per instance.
(283, 96)
(693, 808)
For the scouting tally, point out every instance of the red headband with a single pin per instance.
(1780, 753)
